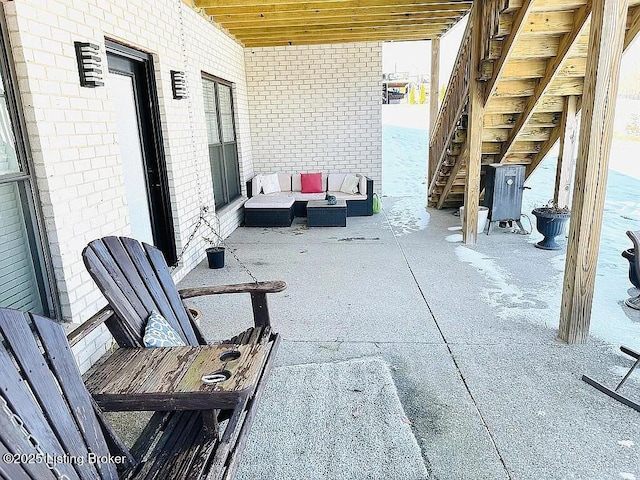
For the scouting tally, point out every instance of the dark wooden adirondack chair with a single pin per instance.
(135, 280)
(51, 429)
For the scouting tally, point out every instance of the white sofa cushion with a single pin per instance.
(280, 194)
(334, 181)
(296, 186)
(256, 185)
(296, 183)
(270, 183)
(269, 201)
(305, 197)
(362, 189)
(285, 182)
(350, 184)
(347, 196)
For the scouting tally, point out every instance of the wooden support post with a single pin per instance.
(568, 137)
(474, 132)
(434, 95)
(434, 86)
(608, 22)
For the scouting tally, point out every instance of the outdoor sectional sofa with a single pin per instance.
(359, 203)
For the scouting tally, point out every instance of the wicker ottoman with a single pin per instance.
(264, 211)
(321, 214)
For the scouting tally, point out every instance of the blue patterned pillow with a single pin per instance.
(158, 333)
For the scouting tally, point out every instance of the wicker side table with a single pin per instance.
(321, 214)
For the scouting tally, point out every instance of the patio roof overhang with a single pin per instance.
(299, 22)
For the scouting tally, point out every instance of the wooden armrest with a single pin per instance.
(89, 326)
(260, 287)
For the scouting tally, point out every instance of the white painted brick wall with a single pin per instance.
(72, 130)
(316, 108)
(88, 350)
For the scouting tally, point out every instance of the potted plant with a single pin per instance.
(630, 255)
(551, 221)
(215, 252)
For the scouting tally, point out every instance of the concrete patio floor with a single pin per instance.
(469, 333)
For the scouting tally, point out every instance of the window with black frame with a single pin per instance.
(221, 135)
(23, 282)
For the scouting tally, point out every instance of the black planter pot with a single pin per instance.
(630, 254)
(215, 257)
(550, 225)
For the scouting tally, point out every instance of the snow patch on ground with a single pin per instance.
(611, 321)
(541, 303)
(404, 166)
(495, 274)
(507, 298)
(626, 443)
(407, 215)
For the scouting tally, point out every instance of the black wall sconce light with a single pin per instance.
(178, 84)
(89, 64)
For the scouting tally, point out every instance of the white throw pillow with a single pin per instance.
(349, 184)
(270, 183)
(256, 185)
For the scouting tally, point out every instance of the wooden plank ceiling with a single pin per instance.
(299, 22)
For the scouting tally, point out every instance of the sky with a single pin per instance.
(415, 58)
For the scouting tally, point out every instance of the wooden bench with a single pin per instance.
(50, 428)
(135, 280)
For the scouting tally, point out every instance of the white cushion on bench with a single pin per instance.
(284, 179)
(335, 181)
(351, 184)
(347, 196)
(271, 183)
(362, 189)
(256, 185)
(305, 197)
(269, 201)
(291, 186)
(285, 182)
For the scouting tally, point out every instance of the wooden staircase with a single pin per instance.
(534, 58)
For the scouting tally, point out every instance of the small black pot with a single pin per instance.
(215, 257)
(630, 254)
(550, 225)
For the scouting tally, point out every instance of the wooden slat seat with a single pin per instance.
(43, 391)
(181, 449)
(41, 384)
(135, 279)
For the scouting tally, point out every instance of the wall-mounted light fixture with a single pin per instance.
(178, 84)
(89, 64)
